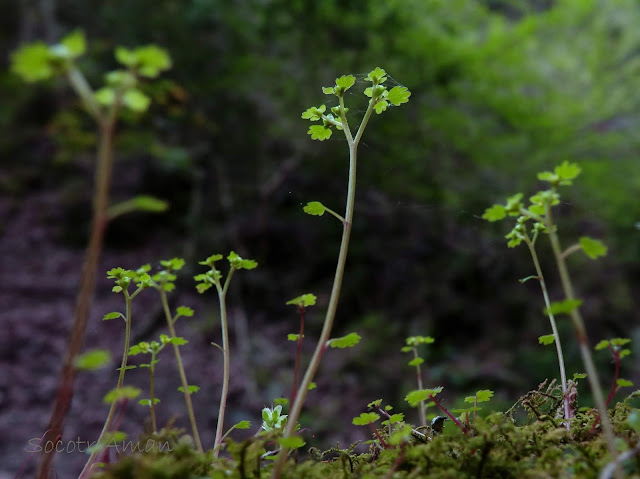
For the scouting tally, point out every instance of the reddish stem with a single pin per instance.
(616, 373)
(382, 441)
(446, 411)
(294, 389)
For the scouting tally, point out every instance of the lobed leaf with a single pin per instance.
(415, 397)
(293, 442)
(304, 300)
(566, 306)
(125, 392)
(347, 341)
(365, 418)
(314, 208)
(593, 248)
(320, 132)
(495, 213)
(547, 339)
(398, 95)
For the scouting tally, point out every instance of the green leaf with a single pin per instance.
(125, 56)
(307, 299)
(242, 425)
(381, 106)
(92, 360)
(567, 172)
(184, 311)
(414, 341)
(293, 442)
(192, 389)
(604, 344)
(312, 385)
(620, 341)
(210, 260)
(320, 132)
(366, 418)
(125, 392)
(624, 383)
(495, 213)
(136, 100)
(32, 62)
(112, 315)
(178, 341)
(415, 397)
(484, 395)
(399, 95)
(416, 362)
(560, 307)
(238, 262)
(377, 75)
(293, 337)
(149, 204)
(147, 402)
(344, 83)
(547, 339)
(347, 341)
(75, 43)
(152, 60)
(314, 113)
(579, 376)
(328, 90)
(314, 208)
(396, 417)
(593, 248)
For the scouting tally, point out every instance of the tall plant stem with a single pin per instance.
(554, 329)
(583, 343)
(224, 323)
(183, 377)
(114, 404)
(86, 289)
(296, 408)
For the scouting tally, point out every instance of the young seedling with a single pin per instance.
(164, 282)
(483, 395)
(540, 210)
(516, 236)
(380, 99)
(615, 347)
(153, 348)
(412, 344)
(301, 303)
(39, 62)
(123, 279)
(398, 431)
(206, 280)
(414, 398)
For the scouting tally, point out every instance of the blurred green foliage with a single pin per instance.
(500, 90)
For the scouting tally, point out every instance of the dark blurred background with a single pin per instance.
(500, 91)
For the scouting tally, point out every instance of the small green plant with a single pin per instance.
(301, 303)
(206, 280)
(123, 279)
(37, 62)
(153, 348)
(412, 344)
(417, 397)
(540, 211)
(380, 99)
(483, 395)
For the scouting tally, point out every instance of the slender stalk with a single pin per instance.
(296, 408)
(296, 373)
(423, 416)
(152, 398)
(581, 334)
(554, 328)
(86, 288)
(183, 377)
(114, 404)
(222, 294)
